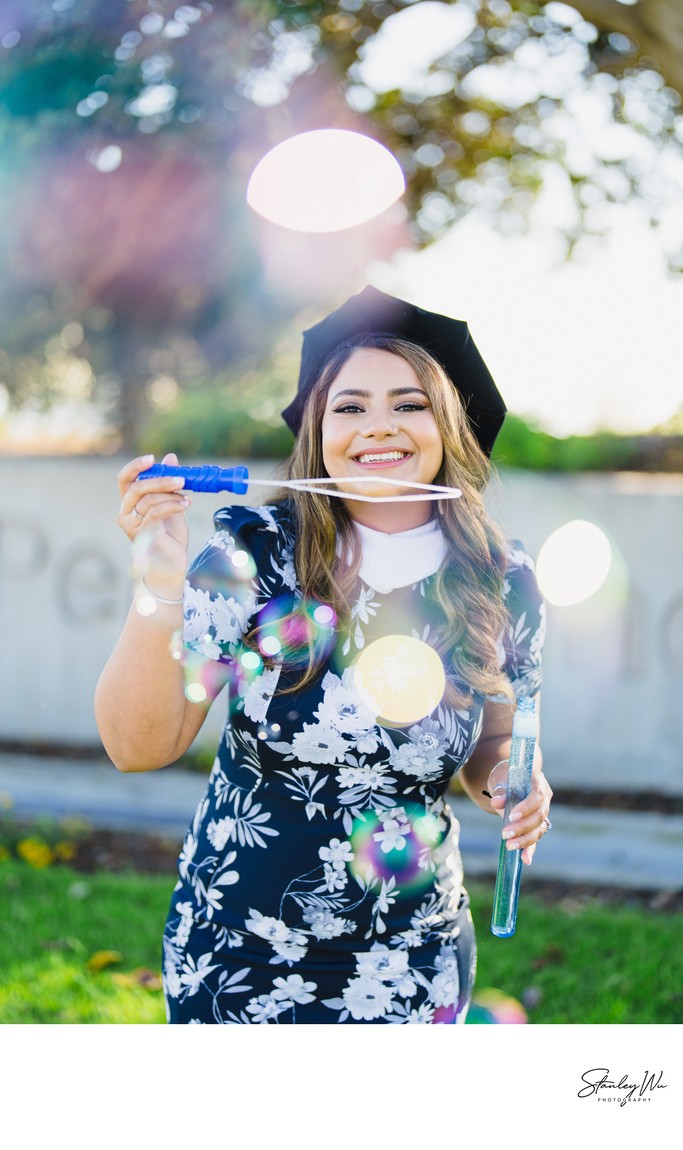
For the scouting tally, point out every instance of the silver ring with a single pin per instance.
(137, 513)
(548, 825)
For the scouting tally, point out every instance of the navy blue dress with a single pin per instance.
(321, 880)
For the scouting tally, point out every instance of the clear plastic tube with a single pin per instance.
(506, 893)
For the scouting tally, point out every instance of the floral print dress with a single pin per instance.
(320, 880)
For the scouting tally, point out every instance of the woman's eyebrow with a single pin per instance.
(366, 394)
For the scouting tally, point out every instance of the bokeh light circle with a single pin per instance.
(250, 660)
(324, 615)
(399, 678)
(573, 563)
(325, 181)
(145, 605)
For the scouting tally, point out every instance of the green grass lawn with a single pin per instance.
(586, 961)
(54, 920)
(581, 961)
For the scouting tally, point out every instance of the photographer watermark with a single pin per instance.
(602, 1085)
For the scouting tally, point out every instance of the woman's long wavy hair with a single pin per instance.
(469, 584)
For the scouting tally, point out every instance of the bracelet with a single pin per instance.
(159, 598)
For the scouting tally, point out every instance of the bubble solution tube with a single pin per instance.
(506, 894)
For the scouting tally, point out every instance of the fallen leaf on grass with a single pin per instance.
(101, 959)
(65, 851)
(552, 956)
(140, 977)
(35, 851)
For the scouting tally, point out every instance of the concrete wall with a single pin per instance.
(612, 713)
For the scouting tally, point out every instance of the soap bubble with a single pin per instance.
(288, 627)
(492, 1007)
(204, 678)
(396, 843)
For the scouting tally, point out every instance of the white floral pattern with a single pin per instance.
(324, 843)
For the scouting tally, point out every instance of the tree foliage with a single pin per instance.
(524, 444)
(128, 132)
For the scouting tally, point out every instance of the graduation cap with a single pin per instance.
(447, 340)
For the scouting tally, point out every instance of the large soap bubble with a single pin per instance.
(397, 843)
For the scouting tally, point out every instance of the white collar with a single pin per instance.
(401, 559)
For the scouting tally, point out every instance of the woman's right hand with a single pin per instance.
(152, 515)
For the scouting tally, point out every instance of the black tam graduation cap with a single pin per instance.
(448, 340)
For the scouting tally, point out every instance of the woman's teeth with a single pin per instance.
(383, 457)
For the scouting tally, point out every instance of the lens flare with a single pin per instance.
(573, 563)
(325, 181)
(396, 843)
(399, 678)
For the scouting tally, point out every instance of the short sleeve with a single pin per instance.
(521, 648)
(247, 561)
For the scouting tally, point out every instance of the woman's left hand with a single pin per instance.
(528, 819)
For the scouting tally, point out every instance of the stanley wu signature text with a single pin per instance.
(599, 1084)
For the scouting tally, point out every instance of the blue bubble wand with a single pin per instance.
(508, 876)
(236, 479)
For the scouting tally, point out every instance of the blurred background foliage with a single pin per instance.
(139, 307)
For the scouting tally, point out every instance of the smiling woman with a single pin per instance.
(371, 650)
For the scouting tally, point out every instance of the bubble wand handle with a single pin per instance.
(508, 876)
(205, 478)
